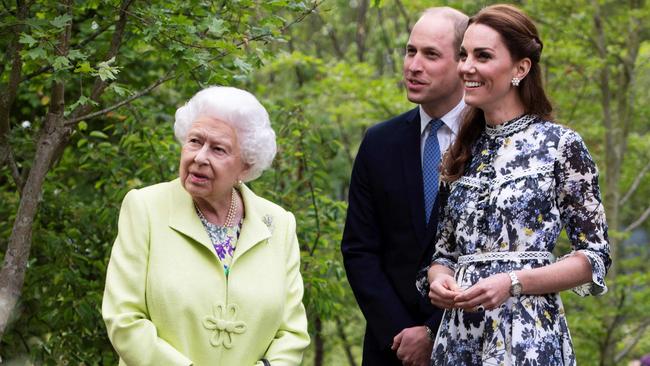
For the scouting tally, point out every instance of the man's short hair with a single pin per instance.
(459, 19)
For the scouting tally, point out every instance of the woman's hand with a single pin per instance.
(488, 292)
(443, 289)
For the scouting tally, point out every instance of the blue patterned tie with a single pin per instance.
(430, 166)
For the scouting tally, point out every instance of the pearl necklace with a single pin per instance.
(232, 210)
(230, 216)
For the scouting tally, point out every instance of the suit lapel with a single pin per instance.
(412, 163)
(433, 222)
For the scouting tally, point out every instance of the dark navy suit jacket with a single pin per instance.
(386, 239)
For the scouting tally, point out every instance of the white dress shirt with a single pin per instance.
(446, 133)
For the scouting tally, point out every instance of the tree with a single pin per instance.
(324, 80)
(603, 328)
(103, 55)
(597, 73)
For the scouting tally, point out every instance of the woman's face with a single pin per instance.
(211, 162)
(486, 68)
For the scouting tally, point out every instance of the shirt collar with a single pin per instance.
(451, 119)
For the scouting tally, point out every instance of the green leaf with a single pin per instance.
(84, 68)
(216, 27)
(105, 71)
(61, 21)
(60, 63)
(36, 53)
(98, 134)
(83, 100)
(27, 39)
(243, 65)
(76, 55)
(119, 90)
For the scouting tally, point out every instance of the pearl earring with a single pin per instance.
(515, 81)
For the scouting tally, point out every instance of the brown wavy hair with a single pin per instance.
(520, 36)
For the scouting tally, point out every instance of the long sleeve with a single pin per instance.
(361, 247)
(291, 338)
(581, 209)
(124, 309)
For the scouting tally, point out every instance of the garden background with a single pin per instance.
(88, 91)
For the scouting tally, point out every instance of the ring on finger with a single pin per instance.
(480, 308)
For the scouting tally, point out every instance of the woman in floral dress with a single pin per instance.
(517, 179)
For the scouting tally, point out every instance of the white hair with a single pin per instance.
(243, 112)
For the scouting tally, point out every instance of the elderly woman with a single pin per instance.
(203, 271)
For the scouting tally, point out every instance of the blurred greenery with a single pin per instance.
(326, 72)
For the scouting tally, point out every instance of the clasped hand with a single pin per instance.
(488, 292)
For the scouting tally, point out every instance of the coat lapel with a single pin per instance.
(257, 225)
(183, 217)
(412, 163)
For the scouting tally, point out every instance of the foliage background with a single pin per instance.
(325, 71)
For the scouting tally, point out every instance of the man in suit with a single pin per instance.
(392, 213)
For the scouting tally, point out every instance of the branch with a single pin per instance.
(346, 141)
(361, 33)
(390, 50)
(641, 329)
(638, 221)
(12, 273)
(57, 101)
(7, 9)
(15, 172)
(100, 85)
(8, 96)
(116, 42)
(170, 73)
(618, 318)
(316, 215)
(581, 94)
(168, 76)
(407, 20)
(346, 344)
(626, 91)
(47, 68)
(138, 117)
(635, 184)
(331, 33)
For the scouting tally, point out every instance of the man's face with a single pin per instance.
(430, 63)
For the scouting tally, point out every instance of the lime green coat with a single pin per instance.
(167, 300)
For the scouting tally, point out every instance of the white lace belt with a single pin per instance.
(505, 256)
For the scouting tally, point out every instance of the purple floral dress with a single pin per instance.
(527, 179)
(224, 240)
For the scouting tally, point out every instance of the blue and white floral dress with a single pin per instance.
(527, 179)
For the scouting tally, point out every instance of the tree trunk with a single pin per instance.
(319, 342)
(9, 91)
(618, 110)
(12, 274)
(346, 344)
(53, 137)
(362, 30)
